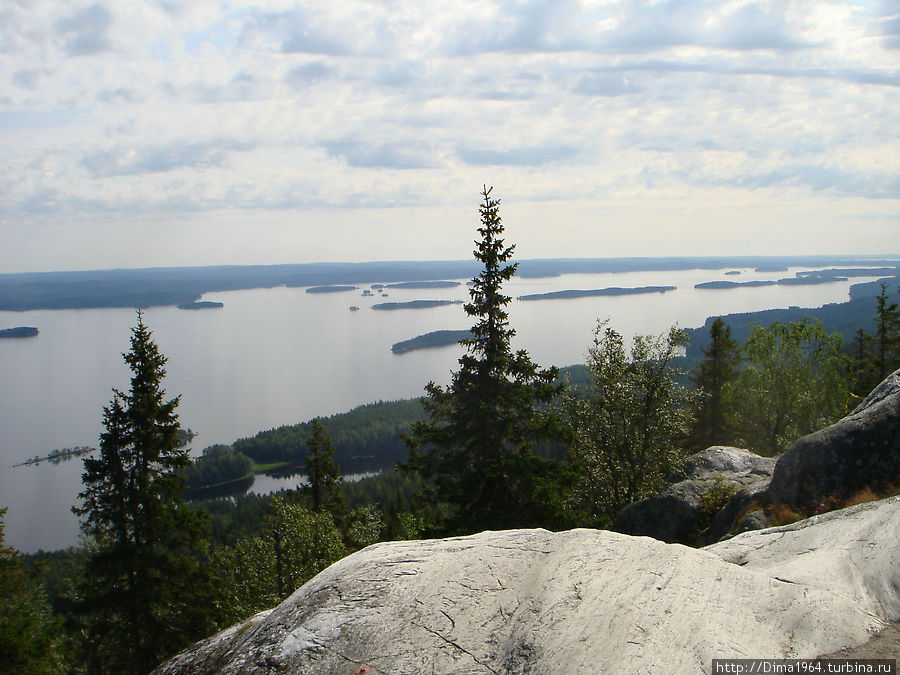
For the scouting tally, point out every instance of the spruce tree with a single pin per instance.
(719, 368)
(474, 450)
(144, 593)
(324, 476)
(887, 336)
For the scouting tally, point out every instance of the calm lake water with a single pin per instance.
(279, 356)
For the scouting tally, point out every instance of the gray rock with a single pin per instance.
(858, 452)
(685, 508)
(583, 601)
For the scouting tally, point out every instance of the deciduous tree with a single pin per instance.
(794, 384)
(629, 426)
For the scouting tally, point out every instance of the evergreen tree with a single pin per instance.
(324, 476)
(719, 368)
(474, 448)
(887, 336)
(144, 593)
(29, 641)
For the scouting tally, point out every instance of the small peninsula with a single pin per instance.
(438, 338)
(19, 332)
(415, 304)
(330, 289)
(614, 290)
(200, 304)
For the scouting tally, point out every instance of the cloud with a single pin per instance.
(829, 179)
(397, 155)
(523, 156)
(86, 32)
(310, 73)
(604, 84)
(159, 159)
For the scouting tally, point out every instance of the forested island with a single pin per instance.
(558, 295)
(415, 304)
(160, 286)
(437, 338)
(19, 332)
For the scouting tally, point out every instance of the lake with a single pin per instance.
(279, 356)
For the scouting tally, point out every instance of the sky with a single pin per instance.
(140, 133)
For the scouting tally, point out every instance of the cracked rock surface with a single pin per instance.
(582, 601)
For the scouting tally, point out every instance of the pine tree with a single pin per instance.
(144, 595)
(475, 449)
(719, 368)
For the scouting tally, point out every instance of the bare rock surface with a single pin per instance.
(582, 601)
(677, 513)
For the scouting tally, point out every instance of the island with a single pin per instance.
(201, 304)
(57, 456)
(330, 289)
(809, 280)
(614, 290)
(438, 338)
(734, 284)
(19, 332)
(415, 304)
(425, 284)
(732, 273)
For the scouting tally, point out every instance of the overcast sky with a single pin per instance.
(179, 132)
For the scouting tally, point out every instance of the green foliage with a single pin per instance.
(875, 356)
(29, 641)
(713, 415)
(259, 572)
(628, 427)
(144, 593)
(474, 450)
(366, 438)
(324, 478)
(794, 384)
(218, 467)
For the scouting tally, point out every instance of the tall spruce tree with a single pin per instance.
(324, 487)
(474, 450)
(719, 368)
(144, 593)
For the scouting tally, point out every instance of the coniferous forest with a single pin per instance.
(508, 443)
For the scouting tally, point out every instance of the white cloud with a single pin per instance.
(123, 107)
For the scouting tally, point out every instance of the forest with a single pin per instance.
(506, 444)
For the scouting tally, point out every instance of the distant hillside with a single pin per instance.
(178, 285)
(845, 318)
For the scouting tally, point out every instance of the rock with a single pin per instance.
(859, 452)
(583, 601)
(685, 508)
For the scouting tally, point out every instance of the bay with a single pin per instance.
(277, 356)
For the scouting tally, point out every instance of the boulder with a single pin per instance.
(685, 508)
(859, 452)
(582, 601)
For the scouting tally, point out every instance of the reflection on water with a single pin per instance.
(272, 357)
